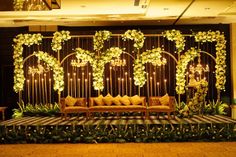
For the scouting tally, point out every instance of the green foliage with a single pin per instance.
(34, 110)
(183, 110)
(217, 107)
(117, 133)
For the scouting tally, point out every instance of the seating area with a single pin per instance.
(118, 104)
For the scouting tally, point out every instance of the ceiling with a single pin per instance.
(126, 12)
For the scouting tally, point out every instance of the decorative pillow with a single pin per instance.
(70, 101)
(135, 100)
(116, 100)
(99, 100)
(80, 102)
(107, 99)
(164, 100)
(125, 100)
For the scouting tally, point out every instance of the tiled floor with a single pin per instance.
(187, 149)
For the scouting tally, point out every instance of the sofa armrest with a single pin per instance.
(62, 104)
(91, 101)
(143, 101)
(172, 102)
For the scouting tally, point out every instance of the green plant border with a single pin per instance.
(117, 133)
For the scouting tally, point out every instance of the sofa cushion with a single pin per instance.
(164, 100)
(98, 101)
(116, 100)
(125, 100)
(80, 102)
(108, 99)
(70, 101)
(135, 100)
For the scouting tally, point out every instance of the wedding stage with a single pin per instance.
(130, 128)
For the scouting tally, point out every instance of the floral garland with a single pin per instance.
(152, 56)
(19, 41)
(58, 39)
(197, 102)
(58, 73)
(175, 35)
(99, 38)
(135, 35)
(181, 68)
(139, 73)
(84, 55)
(99, 66)
(220, 66)
(18, 5)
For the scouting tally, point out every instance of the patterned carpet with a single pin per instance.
(117, 120)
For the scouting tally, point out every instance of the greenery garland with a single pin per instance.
(197, 102)
(99, 38)
(58, 39)
(181, 68)
(19, 41)
(135, 35)
(150, 56)
(175, 35)
(58, 73)
(220, 66)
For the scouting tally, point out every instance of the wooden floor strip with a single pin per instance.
(121, 120)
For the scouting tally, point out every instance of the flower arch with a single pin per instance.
(58, 73)
(136, 36)
(99, 38)
(58, 39)
(151, 56)
(19, 41)
(181, 68)
(98, 63)
(220, 66)
(177, 37)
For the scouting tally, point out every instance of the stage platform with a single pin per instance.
(117, 129)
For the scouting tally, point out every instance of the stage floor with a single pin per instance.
(117, 129)
(114, 120)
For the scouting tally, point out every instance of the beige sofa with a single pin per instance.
(156, 106)
(141, 107)
(78, 107)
